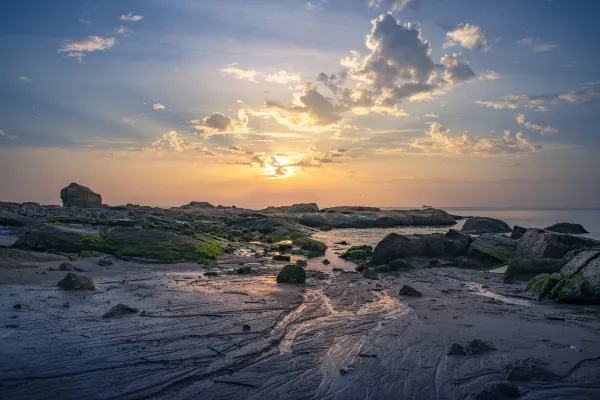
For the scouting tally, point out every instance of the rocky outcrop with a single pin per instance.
(10, 219)
(197, 204)
(540, 243)
(492, 249)
(79, 196)
(50, 239)
(32, 210)
(347, 209)
(395, 246)
(292, 274)
(301, 208)
(76, 282)
(457, 243)
(564, 227)
(517, 232)
(523, 269)
(482, 225)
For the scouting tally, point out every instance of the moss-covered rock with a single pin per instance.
(311, 247)
(355, 253)
(292, 274)
(542, 284)
(522, 269)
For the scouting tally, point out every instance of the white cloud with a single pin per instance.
(540, 102)
(240, 73)
(24, 79)
(536, 46)
(438, 141)
(488, 76)
(4, 135)
(456, 69)
(283, 77)
(394, 5)
(432, 115)
(466, 35)
(131, 17)
(543, 130)
(121, 30)
(158, 107)
(78, 49)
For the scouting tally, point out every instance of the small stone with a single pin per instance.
(370, 274)
(120, 309)
(246, 327)
(326, 262)
(246, 269)
(76, 282)
(104, 262)
(18, 305)
(68, 267)
(302, 263)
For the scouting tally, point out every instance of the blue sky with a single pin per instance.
(449, 102)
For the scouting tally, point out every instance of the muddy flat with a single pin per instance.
(340, 336)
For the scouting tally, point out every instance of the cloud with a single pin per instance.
(488, 76)
(283, 77)
(456, 69)
(431, 115)
(121, 30)
(79, 49)
(438, 141)
(158, 107)
(466, 35)
(4, 135)
(240, 73)
(24, 79)
(536, 46)
(219, 123)
(540, 102)
(314, 5)
(131, 17)
(394, 5)
(543, 130)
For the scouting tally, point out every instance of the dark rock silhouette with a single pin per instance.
(79, 196)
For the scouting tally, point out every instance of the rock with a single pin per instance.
(482, 225)
(246, 269)
(198, 204)
(406, 290)
(542, 284)
(302, 263)
(15, 257)
(343, 243)
(292, 274)
(475, 347)
(370, 273)
(246, 328)
(283, 247)
(18, 306)
(530, 369)
(119, 310)
(523, 269)
(105, 262)
(50, 239)
(517, 232)
(326, 262)
(32, 210)
(564, 227)
(211, 274)
(576, 264)
(382, 269)
(398, 265)
(76, 282)
(301, 208)
(539, 243)
(456, 243)
(281, 257)
(10, 219)
(357, 253)
(395, 246)
(69, 267)
(580, 288)
(492, 249)
(311, 247)
(79, 196)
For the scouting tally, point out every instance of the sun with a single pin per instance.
(280, 167)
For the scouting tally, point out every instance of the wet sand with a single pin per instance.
(340, 336)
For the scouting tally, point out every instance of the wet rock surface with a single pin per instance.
(482, 225)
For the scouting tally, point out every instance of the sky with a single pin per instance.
(341, 102)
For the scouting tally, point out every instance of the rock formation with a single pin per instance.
(79, 196)
(481, 225)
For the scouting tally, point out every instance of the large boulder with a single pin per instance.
(292, 274)
(198, 204)
(482, 225)
(395, 246)
(564, 227)
(457, 243)
(50, 239)
(492, 249)
(10, 219)
(356, 253)
(540, 243)
(576, 264)
(523, 269)
(79, 196)
(301, 208)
